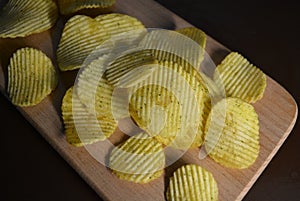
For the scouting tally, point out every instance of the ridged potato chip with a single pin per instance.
(81, 127)
(192, 183)
(72, 6)
(240, 78)
(172, 46)
(232, 136)
(170, 105)
(139, 159)
(116, 23)
(22, 18)
(31, 77)
(129, 62)
(195, 34)
(82, 35)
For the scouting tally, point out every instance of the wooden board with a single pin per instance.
(277, 113)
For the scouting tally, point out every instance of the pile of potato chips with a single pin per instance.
(162, 91)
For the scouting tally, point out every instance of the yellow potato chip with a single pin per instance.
(172, 46)
(140, 159)
(71, 6)
(232, 133)
(196, 34)
(240, 78)
(31, 77)
(125, 64)
(170, 105)
(81, 127)
(116, 23)
(19, 18)
(81, 35)
(193, 183)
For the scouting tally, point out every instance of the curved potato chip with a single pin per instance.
(240, 78)
(233, 143)
(128, 62)
(116, 23)
(192, 182)
(197, 35)
(23, 18)
(172, 46)
(72, 6)
(81, 127)
(140, 159)
(81, 35)
(170, 105)
(31, 77)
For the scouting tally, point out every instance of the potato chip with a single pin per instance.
(31, 77)
(164, 106)
(192, 182)
(72, 6)
(172, 46)
(140, 159)
(116, 23)
(83, 34)
(197, 35)
(232, 135)
(81, 127)
(23, 18)
(240, 78)
(129, 62)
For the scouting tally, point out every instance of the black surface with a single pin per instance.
(267, 33)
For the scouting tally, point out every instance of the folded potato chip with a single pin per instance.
(232, 133)
(240, 79)
(139, 159)
(82, 35)
(31, 77)
(192, 182)
(22, 18)
(82, 127)
(72, 6)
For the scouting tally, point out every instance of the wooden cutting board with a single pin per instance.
(277, 114)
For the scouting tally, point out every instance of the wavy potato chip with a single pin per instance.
(82, 127)
(193, 183)
(82, 35)
(31, 77)
(172, 46)
(196, 35)
(126, 64)
(23, 18)
(72, 6)
(170, 105)
(139, 159)
(116, 23)
(240, 78)
(232, 136)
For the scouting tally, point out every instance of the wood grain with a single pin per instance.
(277, 113)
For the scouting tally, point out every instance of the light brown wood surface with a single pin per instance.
(277, 114)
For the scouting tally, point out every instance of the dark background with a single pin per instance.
(267, 33)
